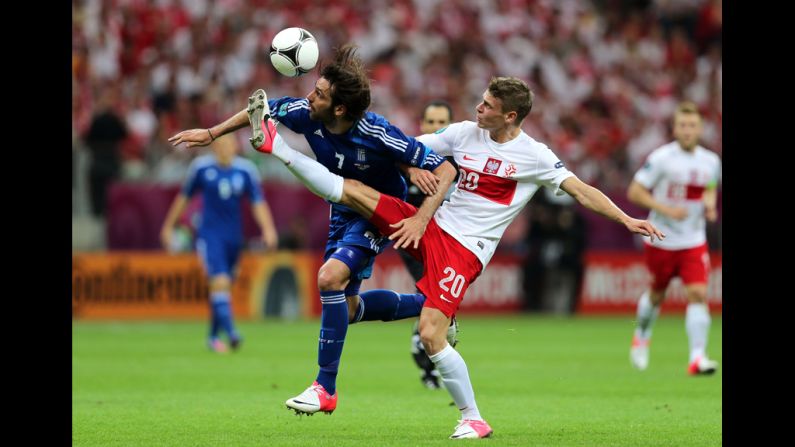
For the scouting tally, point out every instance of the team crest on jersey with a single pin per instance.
(510, 170)
(210, 174)
(360, 154)
(492, 166)
(283, 109)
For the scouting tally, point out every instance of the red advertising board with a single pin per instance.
(144, 285)
(615, 280)
(121, 285)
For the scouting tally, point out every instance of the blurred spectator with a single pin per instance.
(554, 267)
(607, 73)
(540, 228)
(296, 236)
(105, 134)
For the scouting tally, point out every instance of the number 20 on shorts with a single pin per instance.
(458, 282)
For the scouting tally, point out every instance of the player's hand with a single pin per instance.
(711, 214)
(676, 212)
(425, 180)
(270, 240)
(191, 138)
(165, 238)
(409, 231)
(645, 228)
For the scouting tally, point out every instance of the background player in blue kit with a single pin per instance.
(223, 179)
(359, 145)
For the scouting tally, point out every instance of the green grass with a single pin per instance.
(538, 380)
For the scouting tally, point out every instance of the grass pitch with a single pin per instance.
(541, 381)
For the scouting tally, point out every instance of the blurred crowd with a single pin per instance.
(607, 74)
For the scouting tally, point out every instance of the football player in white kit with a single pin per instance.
(678, 183)
(500, 168)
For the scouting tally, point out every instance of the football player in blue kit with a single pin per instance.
(223, 179)
(360, 145)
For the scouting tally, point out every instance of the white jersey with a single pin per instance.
(496, 181)
(678, 178)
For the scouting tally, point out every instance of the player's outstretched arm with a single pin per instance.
(410, 230)
(203, 137)
(595, 200)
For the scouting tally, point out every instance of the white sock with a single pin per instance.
(697, 321)
(453, 369)
(314, 175)
(646, 315)
(282, 150)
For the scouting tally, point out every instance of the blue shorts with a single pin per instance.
(350, 229)
(219, 256)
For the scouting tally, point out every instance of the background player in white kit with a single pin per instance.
(500, 168)
(678, 183)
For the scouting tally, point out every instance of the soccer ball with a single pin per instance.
(294, 51)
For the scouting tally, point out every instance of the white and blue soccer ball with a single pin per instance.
(294, 51)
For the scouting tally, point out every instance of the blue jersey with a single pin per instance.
(368, 152)
(222, 189)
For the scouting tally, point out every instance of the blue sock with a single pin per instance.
(333, 327)
(222, 310)
(388, 305)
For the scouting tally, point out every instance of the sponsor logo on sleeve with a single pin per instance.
(416, 156)
(558, 165)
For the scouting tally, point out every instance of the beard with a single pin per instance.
(325, 116)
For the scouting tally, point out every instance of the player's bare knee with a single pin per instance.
(657, 297)
(433, 337)
(697, 294)
(220, 283)
(328, 280)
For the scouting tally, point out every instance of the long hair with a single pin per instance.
(350, 85)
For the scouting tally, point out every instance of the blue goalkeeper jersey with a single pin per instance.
(222, 189)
